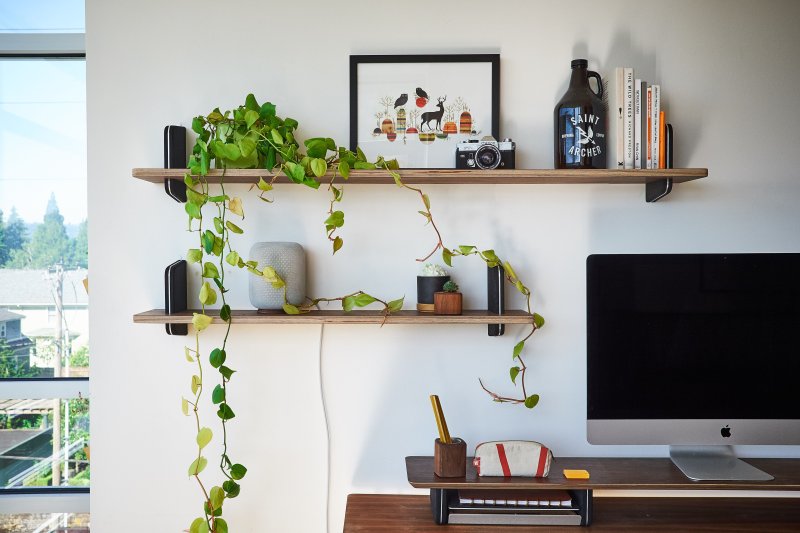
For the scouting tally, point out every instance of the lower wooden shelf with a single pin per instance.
(384, 513)
(251, 316)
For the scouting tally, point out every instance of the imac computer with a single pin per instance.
(695, 351)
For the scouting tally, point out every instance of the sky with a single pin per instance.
(42, 117)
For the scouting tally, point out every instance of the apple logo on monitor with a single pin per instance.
(725, 432)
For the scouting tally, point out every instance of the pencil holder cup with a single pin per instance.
(450, 460)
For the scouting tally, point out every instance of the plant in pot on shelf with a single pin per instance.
(253, 136)
(430, 280)
(448, 301)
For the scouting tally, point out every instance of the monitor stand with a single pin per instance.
(701, 463)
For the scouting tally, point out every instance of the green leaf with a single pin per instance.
(225, 412)
(197, 466)
(317, 148)
(232, 258)
(204, 437)
(210, 270)
(231, 488)
(272, 277)
(263, 185)
(447, 257)
(396, 305)
(520, 287)
(216, 496)
(197, 125)
(267, 110)
(225, 312)
(233, 227)
(208, 296)
(238, 471)
(220, 526)
(208, 241)
(319, 167)
(277, 137)
(195, 198)
(189, 180)
(490, 257)
(509, 270)
(364, 165)
(188, 353)
(514, 372)
(363, 299)
(226, 372)
(194, 255)
(217, 357)
(250, 118)
(336, 219)
(538, 320)
(290, 123)
(518, 348)
(290, 309)
(218, 395)
(337, 244)
(465, 250)
(185, 406)
(219, 246)
(250, 103)
(344, 169)
(200, 321)
(295, 172)
(192, 210)
(426, 201)
(195, 386)
(360, 154)
(272, 158)
(199, 525)
(531, 401)
(218, 225)
(348, 303)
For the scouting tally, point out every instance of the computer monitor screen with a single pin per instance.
(693, 349)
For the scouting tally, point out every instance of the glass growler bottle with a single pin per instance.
(580, 122)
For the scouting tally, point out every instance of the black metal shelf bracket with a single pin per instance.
(656, 190)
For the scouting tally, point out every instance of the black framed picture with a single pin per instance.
(416, 108)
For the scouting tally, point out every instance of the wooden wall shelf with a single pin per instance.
(453, 176)
(158, 316)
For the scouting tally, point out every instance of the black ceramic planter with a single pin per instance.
(426, 286)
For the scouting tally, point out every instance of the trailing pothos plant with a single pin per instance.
(254, 136)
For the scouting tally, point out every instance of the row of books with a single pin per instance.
(640, 122)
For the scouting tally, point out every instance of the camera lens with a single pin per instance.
(487, 156)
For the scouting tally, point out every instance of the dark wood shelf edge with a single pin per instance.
(609, 473)
(455, 176)
(158, 316)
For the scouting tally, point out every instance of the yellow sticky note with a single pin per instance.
(576, 474)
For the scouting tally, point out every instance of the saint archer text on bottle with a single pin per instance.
(580, 122)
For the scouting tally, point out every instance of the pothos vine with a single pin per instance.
(253, 136)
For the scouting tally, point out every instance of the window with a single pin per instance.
(44, 354)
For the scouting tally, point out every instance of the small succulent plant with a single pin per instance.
(450, 286)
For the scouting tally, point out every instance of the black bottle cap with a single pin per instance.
(579, 63)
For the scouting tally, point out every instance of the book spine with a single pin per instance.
(656, 123)
(627, 118)
(618, 111)
(662, 140)
(637, 123)
(649, 127)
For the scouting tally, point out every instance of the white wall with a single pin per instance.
(729, 75)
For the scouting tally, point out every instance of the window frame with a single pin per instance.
(45, 46)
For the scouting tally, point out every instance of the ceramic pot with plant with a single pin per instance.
(430, 280)
(448, 301)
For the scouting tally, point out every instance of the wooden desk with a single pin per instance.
(384, 513)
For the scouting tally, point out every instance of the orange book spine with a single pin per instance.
(662, 141)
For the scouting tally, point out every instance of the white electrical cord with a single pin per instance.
(327, 433)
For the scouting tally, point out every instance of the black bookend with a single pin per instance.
(175, 295)
(655, 190)
(496, 299)
(175, 157)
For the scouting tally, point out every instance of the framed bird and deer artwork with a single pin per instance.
(417, 108)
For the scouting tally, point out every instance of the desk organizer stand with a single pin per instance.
(447, 508)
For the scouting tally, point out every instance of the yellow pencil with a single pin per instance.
(441, 423)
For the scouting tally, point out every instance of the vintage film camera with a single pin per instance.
(485, 154)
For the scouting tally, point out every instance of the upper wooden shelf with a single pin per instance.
(606, 473)
(251, 316)
(453, 176)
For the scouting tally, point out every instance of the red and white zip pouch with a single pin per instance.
(512, 458)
